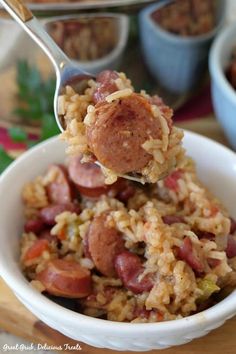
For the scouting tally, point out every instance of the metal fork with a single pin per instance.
(66, 71)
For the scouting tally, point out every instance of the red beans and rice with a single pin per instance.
(128, 252)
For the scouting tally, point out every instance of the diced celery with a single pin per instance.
(208, 287)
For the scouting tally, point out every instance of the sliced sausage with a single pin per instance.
(129, 269)
(59, 190)
(104, 243)
(66, 278)
(87, 177)
(172, 219)
(90, 181)
(185, 253)
(48, 214)
(106, 85)
(231, 247)
(120, 129)
(34, 225)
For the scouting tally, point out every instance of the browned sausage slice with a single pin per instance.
(59, 191)
(66, 278)
(129, 269)
(104, 243)
(48, 214)
(120, 129)
(87, 177)
(90, 181)
(106, 85)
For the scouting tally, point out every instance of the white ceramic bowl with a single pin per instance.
(217, 168)
(223, 94)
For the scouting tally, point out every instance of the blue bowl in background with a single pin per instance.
(223, 94)
(176, 62)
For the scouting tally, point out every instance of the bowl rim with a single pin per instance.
(216, 69)
(83, 5)
(23, 289)
(123, 24)
(175, 38)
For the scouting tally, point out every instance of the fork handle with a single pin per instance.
(20, 9)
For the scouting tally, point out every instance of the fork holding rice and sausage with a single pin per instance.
(113, 248)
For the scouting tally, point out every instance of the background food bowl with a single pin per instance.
(218, 173)
(54, 6)
(18, 46)
(176, 62)
(94, 41)
(223, 94)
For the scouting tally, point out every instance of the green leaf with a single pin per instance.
(5, 159)
(17, 134)
(34, 79)
(28, 78)
(22, 112)
(49, 126)
(35, 107)
(22, 72)
(35, 94)
(36, 97)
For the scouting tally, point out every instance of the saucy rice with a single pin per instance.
(127, 252)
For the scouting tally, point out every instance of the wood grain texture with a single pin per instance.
(207, 126)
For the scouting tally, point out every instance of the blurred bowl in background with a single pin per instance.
(223, 94)
(177, 62)
(18, 46)
(94, 41)
(54, 6)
